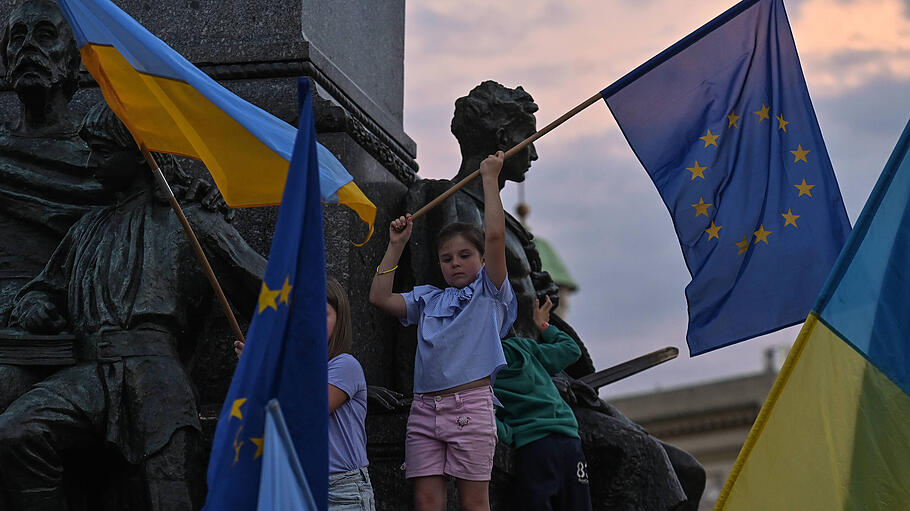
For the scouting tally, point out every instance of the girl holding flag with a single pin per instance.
(451, 428)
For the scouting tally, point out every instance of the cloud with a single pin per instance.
(861, 127)
(846, 45)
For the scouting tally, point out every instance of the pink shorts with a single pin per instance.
(451, 435)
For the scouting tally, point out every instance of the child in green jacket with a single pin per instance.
(551, 471)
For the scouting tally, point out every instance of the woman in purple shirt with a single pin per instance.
(349, 480)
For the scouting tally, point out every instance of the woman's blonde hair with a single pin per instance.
(340, 338)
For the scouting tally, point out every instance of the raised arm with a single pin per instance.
(239, 268)
(381, 294)
(557, 350)
(494, 220)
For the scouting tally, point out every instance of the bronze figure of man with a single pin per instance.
(126, 282)
(45, 185)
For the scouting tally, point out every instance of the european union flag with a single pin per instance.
(723, 124)
(285, 356)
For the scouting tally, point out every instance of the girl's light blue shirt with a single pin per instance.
(459, 331)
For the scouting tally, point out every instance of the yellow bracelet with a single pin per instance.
(387, 271)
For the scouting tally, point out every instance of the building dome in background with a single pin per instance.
(553, 264)
(550, 261)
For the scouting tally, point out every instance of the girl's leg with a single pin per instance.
(474, 495)
(472, 444)
(425, 456)
(430, 493)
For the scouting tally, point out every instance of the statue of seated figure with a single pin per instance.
(125, 280)
(45, 185)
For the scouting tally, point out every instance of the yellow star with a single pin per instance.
(761, 234)
(237, 445)
(710, 139)
(800, 154)
(733, 120)
(697, 171)
(713, 231)
(701, 208)
(259, 442)
(805, 189)
(790, 218)
(285, 292)
(781, 123)
(267, 298)
(743, 245)
(235, 408)
(762, 114)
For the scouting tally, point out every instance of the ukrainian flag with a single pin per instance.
(170, 106)
(835, 430)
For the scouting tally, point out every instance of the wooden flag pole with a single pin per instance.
(213, 280)
(511, 152)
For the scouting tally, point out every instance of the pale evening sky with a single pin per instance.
(589, 195)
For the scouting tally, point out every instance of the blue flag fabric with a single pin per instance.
(282, 486)
(285, 356)
(723, 124)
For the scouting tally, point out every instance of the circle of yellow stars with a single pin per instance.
(698, 171)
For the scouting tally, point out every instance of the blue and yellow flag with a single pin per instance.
(723, 124)
(171, 106)
(286, 352)
(835, 431)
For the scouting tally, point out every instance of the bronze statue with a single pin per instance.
(629, 469)
(126, 282)
(45, 185)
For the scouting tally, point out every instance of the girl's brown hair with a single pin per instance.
(470, 232)
(340, 338)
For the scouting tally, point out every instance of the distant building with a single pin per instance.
(710, 421)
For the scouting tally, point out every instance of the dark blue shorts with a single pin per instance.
(552, 475)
